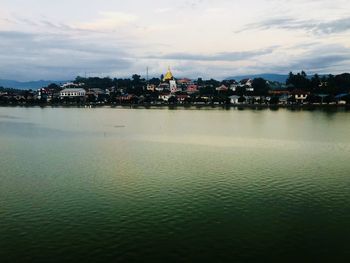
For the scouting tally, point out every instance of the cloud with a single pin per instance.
(222, 56)
(316, 59)
(108, 21)
(311, 26)
(52, 40)
(163, 10)
(59, 56)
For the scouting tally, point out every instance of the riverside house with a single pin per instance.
(300, 96)
(73, 93)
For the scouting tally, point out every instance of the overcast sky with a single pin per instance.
(58, 40)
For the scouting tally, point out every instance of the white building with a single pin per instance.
(300, 96)
(173, 87)
(72, 93)
(234, 99)
(164, 96)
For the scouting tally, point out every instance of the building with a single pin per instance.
(182, 97)
(73, 93)
(173, 87)
(342, 98)
(168, 76)
(185, 81)
(222, 88)
(163, 87)
(234, 99)
(168, 84)
(192, 88)
(165, 96)
(234, 86)
(279, 92)
(300, 96)
(248, 84)
(96, 94)
(151, 87)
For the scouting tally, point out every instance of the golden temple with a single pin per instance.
(168, 76)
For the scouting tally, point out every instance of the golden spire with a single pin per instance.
(168, 76)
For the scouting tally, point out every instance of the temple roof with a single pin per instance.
(168, 76)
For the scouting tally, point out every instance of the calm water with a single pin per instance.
(174, 185)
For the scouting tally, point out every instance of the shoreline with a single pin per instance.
(185, 106)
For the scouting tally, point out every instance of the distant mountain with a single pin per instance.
(28, 85)
(270, 77)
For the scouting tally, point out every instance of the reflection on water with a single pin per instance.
(155, 185)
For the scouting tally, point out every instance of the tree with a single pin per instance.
(136, 79)
(315, 83)
(54, 86)
(260, 86)
(299, 81)
(154, 81)
(172, 100)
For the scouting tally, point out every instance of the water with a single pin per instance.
(174, 185)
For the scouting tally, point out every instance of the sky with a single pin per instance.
(59, 40)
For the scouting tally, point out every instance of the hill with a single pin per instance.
(27, 85)
(271, 77)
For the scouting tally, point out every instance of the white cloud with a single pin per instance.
(108, 21)
(194, 36)
(163, 10)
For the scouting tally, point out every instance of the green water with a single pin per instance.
(174, 185)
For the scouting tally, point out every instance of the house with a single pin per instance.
(164, 96)
(47, 94)
(234, 99)
(234, 86)
(182, 97)
(279, 92)
(151, 87)
(73, 93)
(184, 81)
(258, 99)
(222, 88)
(163, 87)
(341, 98)
(283, 99)
(127, 98)
(43, 94)
(192, 88)
(173, 86)
(300, 96)
(96, 94)
(201, 100)
(248, 84)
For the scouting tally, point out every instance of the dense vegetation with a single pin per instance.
(327, 84)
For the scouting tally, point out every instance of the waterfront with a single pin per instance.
(156, 185)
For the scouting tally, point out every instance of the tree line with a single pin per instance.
(316, 84)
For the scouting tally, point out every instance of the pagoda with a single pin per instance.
(168, 82)
(168, 76)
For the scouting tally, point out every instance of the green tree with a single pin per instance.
(260, 86)
(299, 81)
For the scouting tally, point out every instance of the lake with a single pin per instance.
(174, 185)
